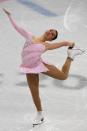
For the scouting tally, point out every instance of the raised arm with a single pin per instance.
(59, 44)
(19, 29)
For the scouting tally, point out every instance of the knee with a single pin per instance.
(64, 77)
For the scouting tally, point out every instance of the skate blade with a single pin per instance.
(38, 123)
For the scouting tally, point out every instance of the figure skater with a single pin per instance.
(32, 63)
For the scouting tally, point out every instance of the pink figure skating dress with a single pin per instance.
(31, 53)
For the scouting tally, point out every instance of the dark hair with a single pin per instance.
(55, 35)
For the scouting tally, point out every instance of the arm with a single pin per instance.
(59, 44)
(19, 29)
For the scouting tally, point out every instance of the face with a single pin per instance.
(50, 34)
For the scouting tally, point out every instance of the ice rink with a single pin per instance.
(64, 102)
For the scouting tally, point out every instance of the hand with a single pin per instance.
(6, 12)
(72, 44)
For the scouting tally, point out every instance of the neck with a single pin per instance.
(40, 39)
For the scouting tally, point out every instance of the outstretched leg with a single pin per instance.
(59, 74)
(63, 74)
(33, 83)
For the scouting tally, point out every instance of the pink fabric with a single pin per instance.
(31, 53)
(31, 59)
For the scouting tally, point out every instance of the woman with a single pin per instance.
(32, 63)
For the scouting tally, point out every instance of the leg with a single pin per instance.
(59, 74)
(33, 83)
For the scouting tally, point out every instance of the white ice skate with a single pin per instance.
(72, 53)
(38, 121)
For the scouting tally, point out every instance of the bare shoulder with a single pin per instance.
(48, 45)
(33, 37)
